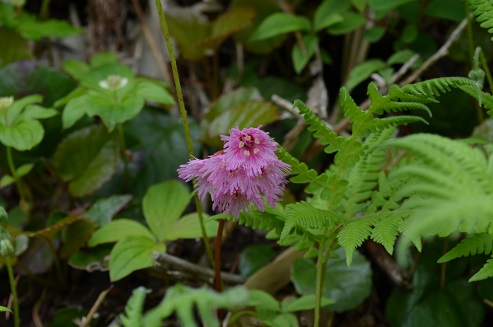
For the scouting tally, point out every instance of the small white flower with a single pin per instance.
(113, 82)
(5, 103)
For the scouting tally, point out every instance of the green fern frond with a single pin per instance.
(304, 216)
(364, 175)
(485, 272)
(358, 118)
(270, 219)
(429, 90)
(386, 230)
(483, 10)
(485, 98)
(302, 174)
(134, 307)
(184, 301)
(444, 158)
(380, 104)
(354, 234)
(320, 130)
(472, 244)
(389, 122)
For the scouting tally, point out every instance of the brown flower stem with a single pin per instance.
(218, 283)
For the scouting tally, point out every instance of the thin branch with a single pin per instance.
(168, 262)
(442, 52)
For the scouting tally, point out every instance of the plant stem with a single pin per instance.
(486, 69)
(13, 171)
(217, 257)
(319, 282)
(13, 289)
(218, 283)
(183, 113)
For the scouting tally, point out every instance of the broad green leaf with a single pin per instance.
(374, 34)
(232, 99)
(456, 306)
(113, 113)
(30, 77)
(131, 254)
(280, 23)
(300, 59)
(227, 24)
(453, 10)
(163, 204)
(7, 14)
(75, 68)
(400, 57)
(188, 28)
(350, 21)
(18, 106)
(34, 29)
(24, 169)
(6, 180)
(306, 302)
(363, 71)
(74, 110)
(15, 47)
(91, 259)
(36, 112)
(103, 210)
(75, 236)
(153, 91)
(255, 257)
(247, 114)
(329, 13)
(347, 286)
(264, 300)
(160, 139)
(22, 136)
(359, 4)
(103, 58)
(118, 230)
(87, 159)
(262, 9)
(385, 5)
(189, 227)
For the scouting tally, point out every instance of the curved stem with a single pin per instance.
(13, 171)
(8, 263)
(183, 113)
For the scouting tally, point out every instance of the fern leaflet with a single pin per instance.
(133, 309)
(485, 272)
(472, 244)
(483, 10)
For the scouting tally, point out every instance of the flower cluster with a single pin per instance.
(241, 173)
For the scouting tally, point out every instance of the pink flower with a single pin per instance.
(250, 148)
(244, 172)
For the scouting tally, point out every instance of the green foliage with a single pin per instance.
(134, 308)
(483, 10)
(19, 125)
(162, 205)
(110, 91)
(183, 300)
(346, 286)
